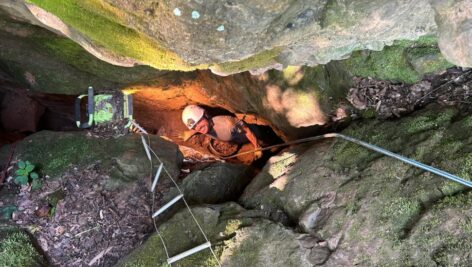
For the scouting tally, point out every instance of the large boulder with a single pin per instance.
(123, 158)
(454, 30)
(237, 241)
(217, 183)
(372, 209)
(246, 36)
(181, 233)
(55, 64)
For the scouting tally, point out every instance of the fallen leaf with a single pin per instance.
(42, 211)
(60, 230)
(99, 256)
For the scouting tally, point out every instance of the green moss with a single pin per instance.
(232, 226)
(103, 24)
(426, 60)
(150, 254)
(55, 64)
(405, 61)
(54, 152)
(349, 154)
(181, 234)
(16, 249)
(399, 213)
(69, 52)
(454, 252)
(463, 200)
(202, 259)
(465, 170)
(388, 64)
(263, 59)
(427, 121)
(369, 113)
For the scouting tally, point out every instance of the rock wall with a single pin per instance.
(46, 62)
(349, 205)
(371, 209)
(231, 36)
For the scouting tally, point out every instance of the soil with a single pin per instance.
(78, 221)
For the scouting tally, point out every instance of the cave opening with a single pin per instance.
(24, 113)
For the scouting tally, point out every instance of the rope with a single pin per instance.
(298, 141)
(409, 161)
(180, 191)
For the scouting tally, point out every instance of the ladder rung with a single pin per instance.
(188, 252)
(146, 148)
(166, 206)
(156, 178)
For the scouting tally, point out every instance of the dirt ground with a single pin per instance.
(382, 99)
(77, 221)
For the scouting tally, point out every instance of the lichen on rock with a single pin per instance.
(235, 37)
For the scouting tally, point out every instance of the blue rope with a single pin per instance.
(404, 159)
(369, 146)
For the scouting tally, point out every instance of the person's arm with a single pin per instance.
(186, 135)
(250, 136)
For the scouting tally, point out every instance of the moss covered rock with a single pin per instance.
(17, 248)
(180, 233)
(123, 158)
(106, 25)
(404, 61)
(372, 209)
(216, 183)
(237, 241)
(234, 37)
(55, 64)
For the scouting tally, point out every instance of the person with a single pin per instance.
(222, 127)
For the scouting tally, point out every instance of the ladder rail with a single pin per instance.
(207, 244)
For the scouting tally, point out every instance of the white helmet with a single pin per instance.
(191, 115)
